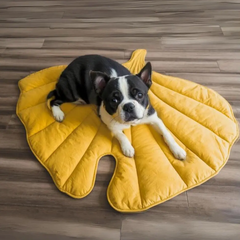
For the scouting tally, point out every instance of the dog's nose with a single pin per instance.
(128, 107)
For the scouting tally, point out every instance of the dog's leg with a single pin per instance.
(157, 123)
(56, 110)
(126, 146)
(117, 130)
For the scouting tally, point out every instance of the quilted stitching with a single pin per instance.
(200, 120)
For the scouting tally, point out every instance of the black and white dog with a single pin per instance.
(122, 97)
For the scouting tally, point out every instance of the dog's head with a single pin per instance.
(126, 97)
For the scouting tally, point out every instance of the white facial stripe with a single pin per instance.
(123, 87)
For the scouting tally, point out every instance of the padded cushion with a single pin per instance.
(201, 121)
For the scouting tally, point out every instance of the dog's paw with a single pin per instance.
(128, 150)
(59, 116)
(58, 113)
(179, 153)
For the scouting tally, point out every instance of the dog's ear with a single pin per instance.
(145, 74)
(99, 80)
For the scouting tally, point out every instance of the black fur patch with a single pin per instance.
(151, 110)
(110, 94)
(75, 82)
(136, 87)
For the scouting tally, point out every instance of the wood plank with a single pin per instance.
(189, 54)
(36, 63)
(229, 66)
(42, 15)
(56, 21)
(205, 42)
(229, 31)
(73, 53)
(185, 225)
(4, 120)
(181, 66)
(52, 223)
(208, 194)
(12, 76)
(18, 24)
(194, 40)
(8, 104)
(104, 43)
(104, 32)
(21, 42)
(13, 139)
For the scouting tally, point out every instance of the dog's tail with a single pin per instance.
(51, 94)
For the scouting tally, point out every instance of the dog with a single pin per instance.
(122, 98)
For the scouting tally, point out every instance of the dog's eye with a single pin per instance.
(134, 91)
(137, 93)
(114, 100)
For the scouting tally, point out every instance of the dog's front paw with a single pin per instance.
(58, 113)
(128, 150)
(179, 153)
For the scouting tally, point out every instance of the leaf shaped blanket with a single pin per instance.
(201, 121)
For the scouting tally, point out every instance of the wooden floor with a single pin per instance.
(195, 40)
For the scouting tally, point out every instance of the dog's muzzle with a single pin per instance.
(129, 112)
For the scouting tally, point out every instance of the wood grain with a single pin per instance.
(195, 40)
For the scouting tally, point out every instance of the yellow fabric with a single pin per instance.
(201, 121)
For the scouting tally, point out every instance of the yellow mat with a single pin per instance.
(201, 121)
